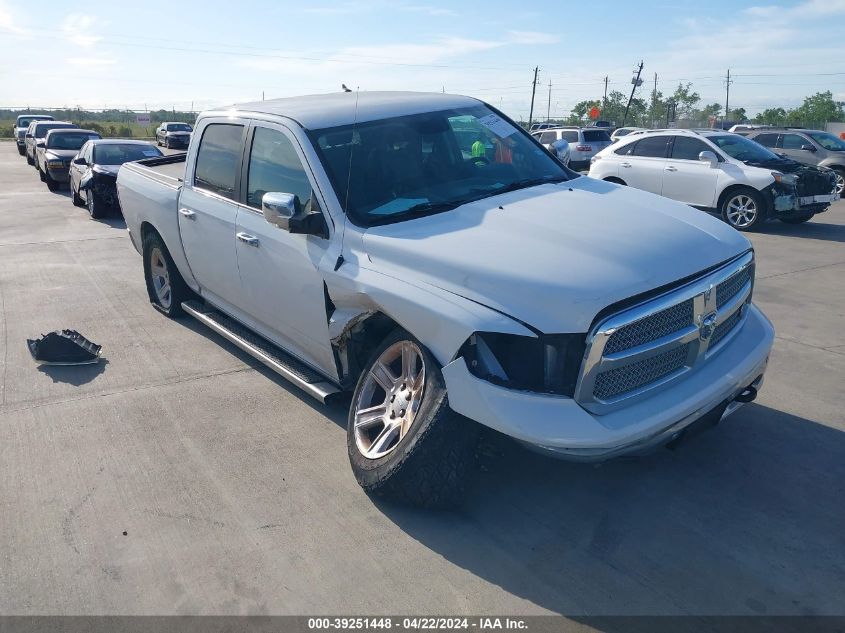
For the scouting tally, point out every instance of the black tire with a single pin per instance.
(429, 466)
(179, 290)
(158, 142)
(52, 185)
(750, 221)
(41, 174)
(166, 143)
(96, 208)
(76, 198)
(798, 219)
(29, 161)
(21, 150)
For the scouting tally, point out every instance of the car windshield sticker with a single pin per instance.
(150, 152)
(497, 125)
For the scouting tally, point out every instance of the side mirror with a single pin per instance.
(79, 161)
(27, 135)
(708, 157)
(808, 148)
(284, 211)
(40, 144)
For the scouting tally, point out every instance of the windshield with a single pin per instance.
(119, 153)
(828, 141)
(26, 120)
(416, 165)
(69, 140)
(743, 149)
(179, 127)
(41, 129)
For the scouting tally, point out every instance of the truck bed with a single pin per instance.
(169, 170)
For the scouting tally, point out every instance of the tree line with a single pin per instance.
(684, 104)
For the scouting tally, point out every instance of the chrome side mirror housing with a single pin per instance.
(708, 157)
(284, 211)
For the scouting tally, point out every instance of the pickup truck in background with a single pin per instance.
(352, 244)
(20, 126)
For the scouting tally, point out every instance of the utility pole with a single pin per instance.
(549, 108)
(636, 81)
(604, 100)
(654, 100)
(533, 90)
(727, 94)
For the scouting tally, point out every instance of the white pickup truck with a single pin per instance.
(426, 254)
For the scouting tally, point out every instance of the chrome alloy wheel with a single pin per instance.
(389, 399)
(160, 277)
(742, 211)
(840, 182)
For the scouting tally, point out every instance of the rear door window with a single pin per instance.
(651, 147)
(794, 141)
(766, 140)
(219, 159)
(570, 136)
(548, 137)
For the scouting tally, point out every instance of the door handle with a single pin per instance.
(191, 215)
(670, 168)
(625, 165)
(248, 239)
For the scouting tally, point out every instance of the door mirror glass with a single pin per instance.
(79, 161)
(708, 157)
(808, 148)
(40, 144)
(279, 208)
(27, 135)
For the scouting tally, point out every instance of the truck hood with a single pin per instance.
(555, 255)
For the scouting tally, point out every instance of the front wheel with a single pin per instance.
(743, 209)
(76, 198)
(96, 208)
(165, 286)
(41, 175)
(52, 185)
(29, 161)
(403, 439)
(21, 150)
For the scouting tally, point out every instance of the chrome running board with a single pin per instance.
(281, 362)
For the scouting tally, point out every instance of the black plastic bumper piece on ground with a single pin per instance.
(64, 347)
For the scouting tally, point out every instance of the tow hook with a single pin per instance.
(747, 395)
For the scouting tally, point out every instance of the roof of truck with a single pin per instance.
(329, 110)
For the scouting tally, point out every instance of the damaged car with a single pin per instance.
(93, 172)
(720, 172)
(55, 152)
(349, 243)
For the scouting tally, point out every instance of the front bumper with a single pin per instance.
(59, 175)
(174, 141)
(558, 425)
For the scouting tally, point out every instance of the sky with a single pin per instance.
(186, 53)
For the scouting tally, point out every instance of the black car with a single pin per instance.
(93, 172)
(54, 153)
(173, 134)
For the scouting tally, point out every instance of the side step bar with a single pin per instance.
(261, 349)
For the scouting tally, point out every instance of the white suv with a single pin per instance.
(719, 172)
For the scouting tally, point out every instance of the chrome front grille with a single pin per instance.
(640, 349)
(624, 379)
(651, 327)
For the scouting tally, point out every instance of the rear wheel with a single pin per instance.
(403, 440)
(743, 209)
(165, 286)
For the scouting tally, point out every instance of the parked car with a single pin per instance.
(20, 126)
(719, 172)
(93, 172)
(811, 147)
(54, 153)
(173, 134)
(605, 125)
(625, 131)
(746, 128)
(553, 141)
(584, 143)
(36, 132)
(358, 249)
(541, 126)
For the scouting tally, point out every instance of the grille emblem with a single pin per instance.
(707, 327)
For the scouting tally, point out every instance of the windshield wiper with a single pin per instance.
(528, 182)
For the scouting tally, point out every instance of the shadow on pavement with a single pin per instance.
(744, 519)
(74, 374)
(813, 229)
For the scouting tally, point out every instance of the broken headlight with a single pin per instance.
(545, 364)
(785, 179)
